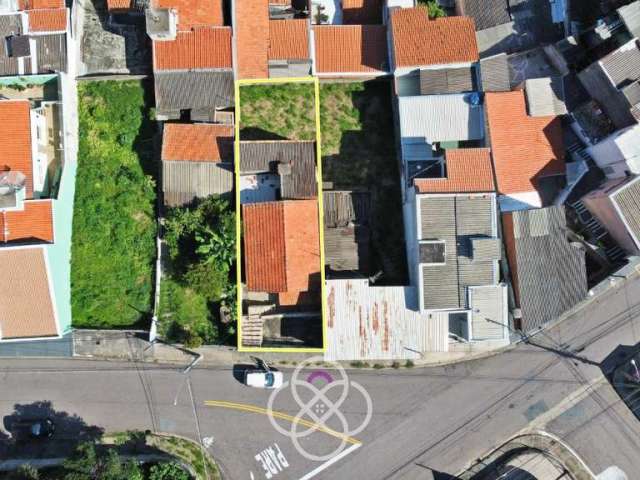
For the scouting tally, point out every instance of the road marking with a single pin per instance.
(330, 462)
(283, 416)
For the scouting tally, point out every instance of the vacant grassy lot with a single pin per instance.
(358, 151)
(283, 111)
(114, 223)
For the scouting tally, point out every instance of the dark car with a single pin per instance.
(33, 429)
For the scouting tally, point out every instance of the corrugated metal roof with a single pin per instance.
(623, 64)
(51, 52)
(632, 93)
(545, 96)
(440, 118)
(182, 182)
(435, 81)
(494, 72)
(457, 220)
(9, 25)
(379, 323)
(177, 91)
(485, 13)
(342, 208)
(347, 248)
(630, 15)
(293, 160)
(488, 306)
(548, 273)
(628, 200)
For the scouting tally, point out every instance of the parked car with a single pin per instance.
(33, 429)
(263, 379)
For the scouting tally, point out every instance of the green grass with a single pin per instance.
(358, 151)
(114, 222)
(282, 111)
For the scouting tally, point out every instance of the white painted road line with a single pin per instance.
(330, 462)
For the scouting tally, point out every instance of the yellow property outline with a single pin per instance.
(316, 88)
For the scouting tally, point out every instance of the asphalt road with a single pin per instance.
(424, 420)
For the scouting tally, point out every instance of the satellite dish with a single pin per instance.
(11, 181)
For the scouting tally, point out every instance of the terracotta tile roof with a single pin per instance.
(28, 309)
(119, 5)
(418, 41)
(33, 223)
(197, 49)
(252, 38)
(362, 12)
(524, 148)
(350, 48)
(197, 142)
(302, 240)
(49, 20)
(38, 4)
(468, 170)
(288, 39)
(264, 246)
(282, 247)
(195, 13)
(15, 138)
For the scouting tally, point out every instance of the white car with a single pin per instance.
(263, 379)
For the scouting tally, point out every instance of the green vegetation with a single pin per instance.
(114, 223)
(409, 364)
(282, 111)
(201, 242)
(189, 452)
(99, 462)
(434, 9)
(358, 151)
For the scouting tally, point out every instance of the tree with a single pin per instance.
(168, 471)
(25, 472)
(434, 9)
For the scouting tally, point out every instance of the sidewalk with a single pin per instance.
(132, 345)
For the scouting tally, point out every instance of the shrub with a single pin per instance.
(114, 221)
(395, 365)
(409, 364)
(378, 366)
(167, 471)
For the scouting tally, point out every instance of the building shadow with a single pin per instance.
(257, 133)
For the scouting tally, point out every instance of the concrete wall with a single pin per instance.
(601, 207)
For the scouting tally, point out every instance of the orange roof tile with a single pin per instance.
(468, 170)
(302, 240)
(49, 20)
(524, 148)
(199, 48)
(15, 138)
(288, 40)
(195, 13)
(282, 247)
(264, 246)
(26, 306)
(38, 4)
(119, 5)
(361, 12)
(33, 223)
(418, 41)
(252, 38)
(350, 48)
(197, 142)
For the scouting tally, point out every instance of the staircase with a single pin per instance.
(252, 331)
(613, 252)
